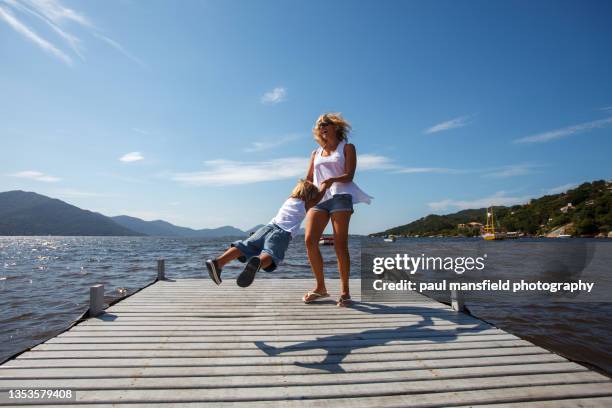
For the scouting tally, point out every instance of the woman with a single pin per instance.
(332, 166)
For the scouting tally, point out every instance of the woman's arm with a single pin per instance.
(310, 173)
(350, 164)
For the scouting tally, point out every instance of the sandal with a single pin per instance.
(310, 297)
(344, 301)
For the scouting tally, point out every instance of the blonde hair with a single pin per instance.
(343, 127)
(304, 190)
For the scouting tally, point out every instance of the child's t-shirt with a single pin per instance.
(290, 216)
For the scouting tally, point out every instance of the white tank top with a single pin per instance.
(333, 166)
(290, 216)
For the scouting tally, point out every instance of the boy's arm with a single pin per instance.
(319, 196)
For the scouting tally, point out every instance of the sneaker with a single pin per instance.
(248, 274)
(213, 270)
(242, 259)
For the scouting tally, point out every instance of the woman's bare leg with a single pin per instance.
(340, 221)
(228, 256)
(315, 225)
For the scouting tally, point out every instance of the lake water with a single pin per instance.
(44, 286)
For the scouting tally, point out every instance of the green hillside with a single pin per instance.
(588, 215)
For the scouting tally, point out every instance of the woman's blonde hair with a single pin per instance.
(343, 127)
(304, 190)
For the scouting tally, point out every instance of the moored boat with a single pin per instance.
(329, 240)
(489, 233)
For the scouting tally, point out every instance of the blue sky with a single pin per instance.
(200, 112)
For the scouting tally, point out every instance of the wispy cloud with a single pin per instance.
(36, 175)
(55, 11)
(565, 132)
(277, 95)
(229, 172)
(55, 16)
(141, 131)
(260, 146)
(437, 170)
(499, 198)
(379, 162)
(48, 17)
(120, 48)
(561, 189)
(131, 157)
(606, 108)
(28, 33)
(374, 162)
(512, 170)
(450, 124)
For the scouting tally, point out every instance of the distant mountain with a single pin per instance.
(226, 231)
(27, 213)
(255, 228)
(166, 229)
(582, 211)
(155, 228)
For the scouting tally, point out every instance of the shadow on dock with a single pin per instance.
(341, 345)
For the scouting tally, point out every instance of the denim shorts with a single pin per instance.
(338, 202)
(270, 239)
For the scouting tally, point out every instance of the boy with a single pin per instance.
(265, 249)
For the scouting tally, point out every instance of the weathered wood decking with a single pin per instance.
(190, 343)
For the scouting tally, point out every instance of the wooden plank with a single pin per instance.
(532, 385)
(280, 359)
(330, 310)
(601, 402)
(259, 316)
(396, 331)
(214, 324)
(202, 316)
(588, 402)
(310, 379)
(399, 349)
(254, 351)
(263, 370)
(382, 335)
(356, 344)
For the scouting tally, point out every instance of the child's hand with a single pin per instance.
(326, 184)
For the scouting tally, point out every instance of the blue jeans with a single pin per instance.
(270, 239)
(338, 202)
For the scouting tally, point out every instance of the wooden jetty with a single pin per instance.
(189, 343)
